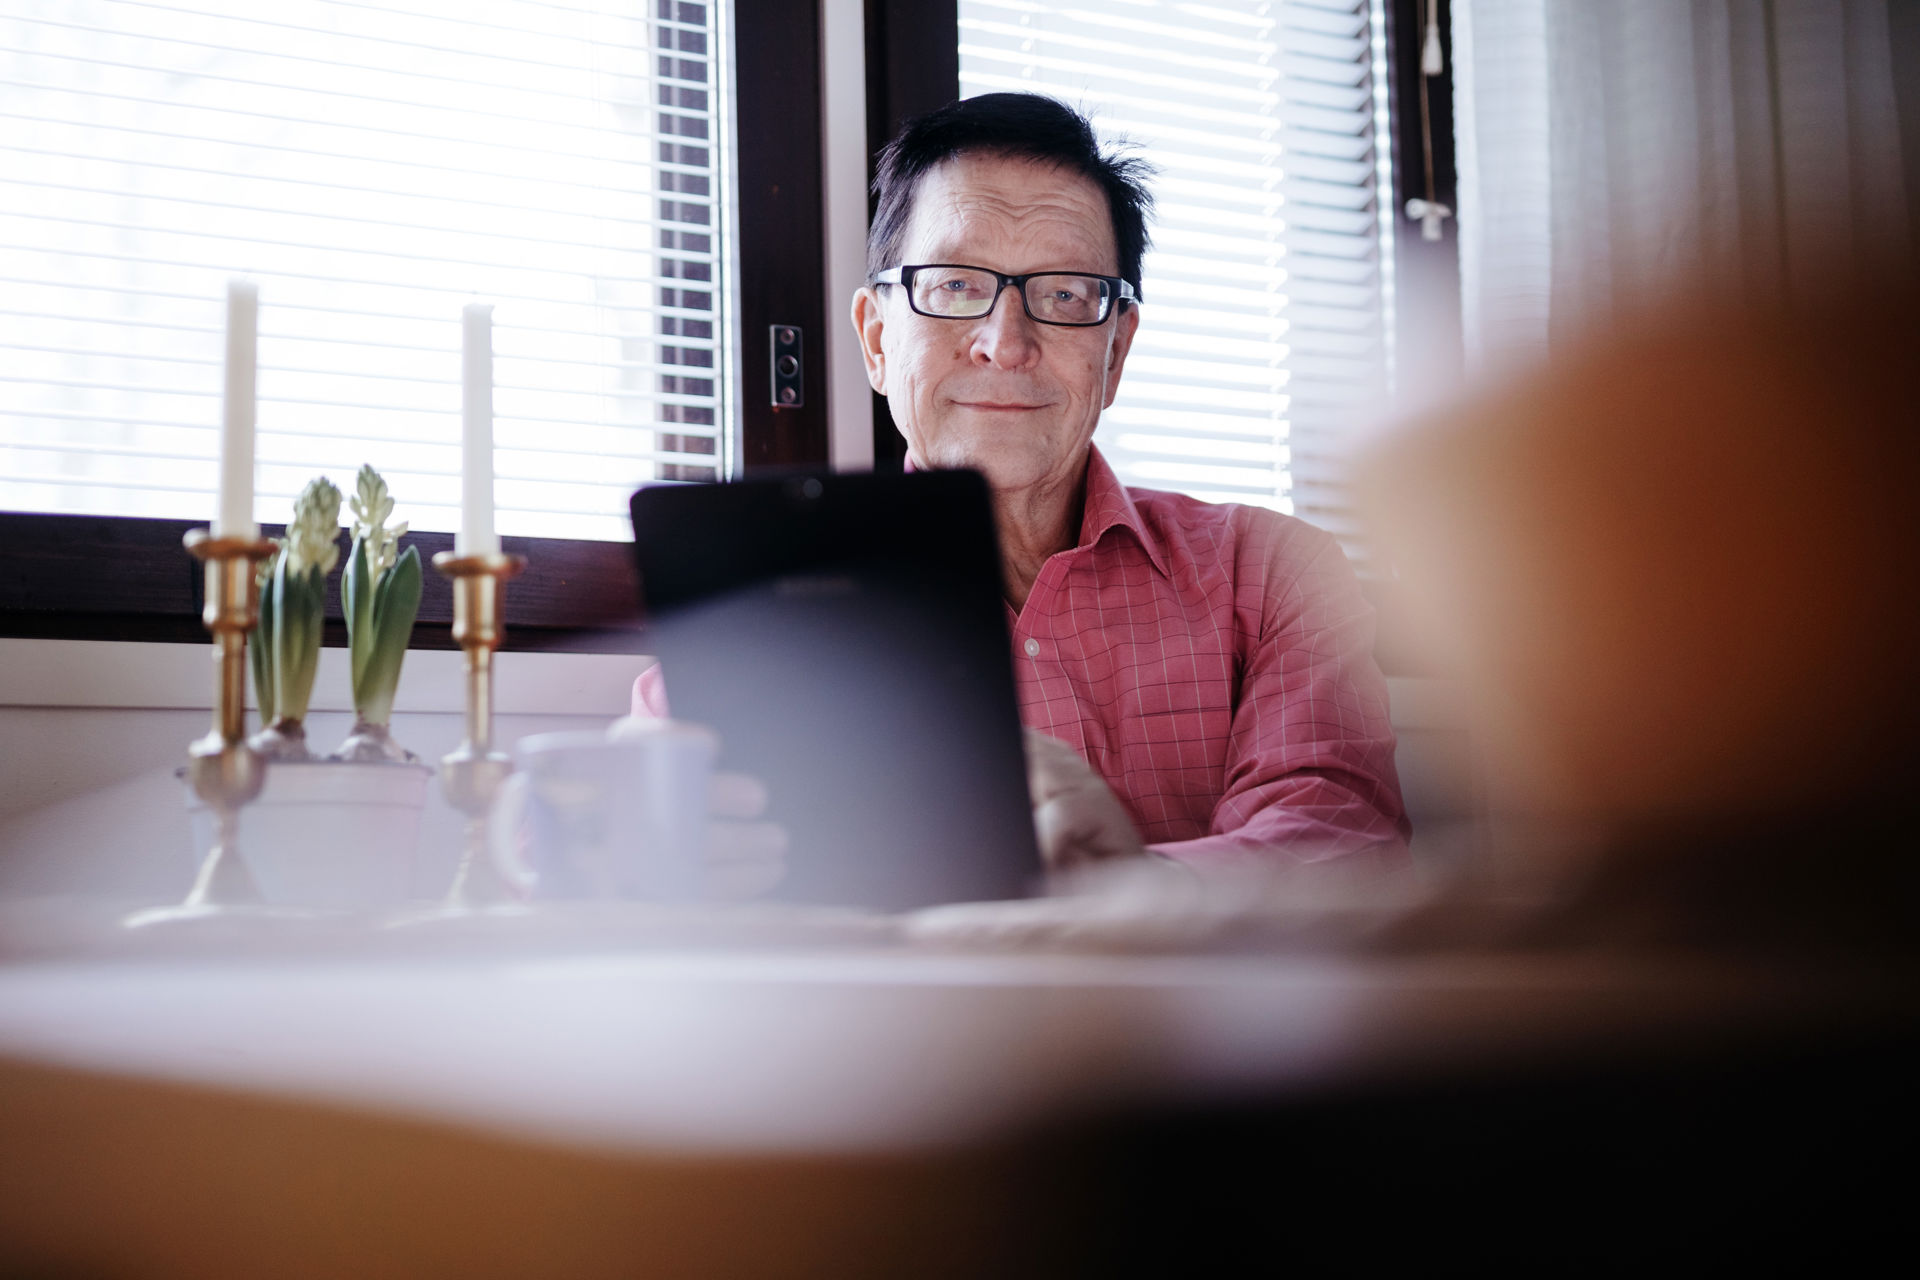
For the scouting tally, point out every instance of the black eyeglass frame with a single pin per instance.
(1118, 291)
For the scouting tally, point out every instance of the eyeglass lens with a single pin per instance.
(963, 293)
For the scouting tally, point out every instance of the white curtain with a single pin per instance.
(1611, 153)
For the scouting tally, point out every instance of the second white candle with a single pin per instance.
(476, 536)
(235, 512)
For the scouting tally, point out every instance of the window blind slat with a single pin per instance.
(1338, 20)
(559, 384)
(429, 402)
(192, 439)
(447, 30)
(394, 174)
(359, 338)
(536, 21)
(137, 29)
(212, 31)
(410, 292)
(623, 228)
(527, 463)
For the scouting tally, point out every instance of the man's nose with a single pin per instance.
(1007, 337)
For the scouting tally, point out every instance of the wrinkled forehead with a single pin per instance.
(1021, 214)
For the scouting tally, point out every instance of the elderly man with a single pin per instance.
(1197, 680)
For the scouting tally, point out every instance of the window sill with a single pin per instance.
(103, 578)
(130, 674)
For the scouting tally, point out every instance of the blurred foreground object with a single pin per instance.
(1677, 570)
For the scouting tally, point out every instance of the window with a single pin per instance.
(373, 166)
(1268, 291)
(645, 391)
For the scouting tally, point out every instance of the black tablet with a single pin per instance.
(846, 637)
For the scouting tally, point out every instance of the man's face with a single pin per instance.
(1016, 399)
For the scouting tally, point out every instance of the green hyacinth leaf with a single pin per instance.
(314, 603)
(396, 603)
(297, 640)
(261, 656)
(356, 588)
(285, 611)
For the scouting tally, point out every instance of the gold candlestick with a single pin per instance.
(470, 776)
(224, 771)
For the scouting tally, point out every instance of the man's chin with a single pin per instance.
(1007, 475)
(1006, 469)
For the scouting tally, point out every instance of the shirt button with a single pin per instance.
(1032, 647)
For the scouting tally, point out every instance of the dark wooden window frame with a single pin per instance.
(108, 578)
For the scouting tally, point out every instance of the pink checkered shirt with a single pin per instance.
(1214, 663)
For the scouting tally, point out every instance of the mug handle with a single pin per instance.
(506, 826)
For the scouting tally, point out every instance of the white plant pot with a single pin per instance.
(328, 834)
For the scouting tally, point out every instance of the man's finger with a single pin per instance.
(729, 841)
(1082, 828)
(1058, 827)
(744, 859)
(1053, 767)
(736, 795)
(733, 881)
(1077, 819)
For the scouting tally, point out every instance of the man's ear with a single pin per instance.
(868, 322)
(1124, 326)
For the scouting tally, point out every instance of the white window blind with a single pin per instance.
(1262, 338)
(374, 166)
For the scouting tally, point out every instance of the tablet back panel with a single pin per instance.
(845, 636)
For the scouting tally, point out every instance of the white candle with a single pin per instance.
(236, 429)
(476, 536)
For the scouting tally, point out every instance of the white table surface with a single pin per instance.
(839, 1047)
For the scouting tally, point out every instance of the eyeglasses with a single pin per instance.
(947, 291)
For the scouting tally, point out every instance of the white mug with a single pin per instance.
(589, 815)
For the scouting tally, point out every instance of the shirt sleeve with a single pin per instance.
(1309, 765)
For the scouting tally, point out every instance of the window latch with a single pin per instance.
(788, 392)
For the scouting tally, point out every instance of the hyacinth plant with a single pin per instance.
(293, 601)
(380, 595)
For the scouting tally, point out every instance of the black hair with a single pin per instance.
(1028, 126)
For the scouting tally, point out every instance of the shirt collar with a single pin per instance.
(1109, 504)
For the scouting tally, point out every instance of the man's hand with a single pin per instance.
(1078, 819)
(745, 858)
